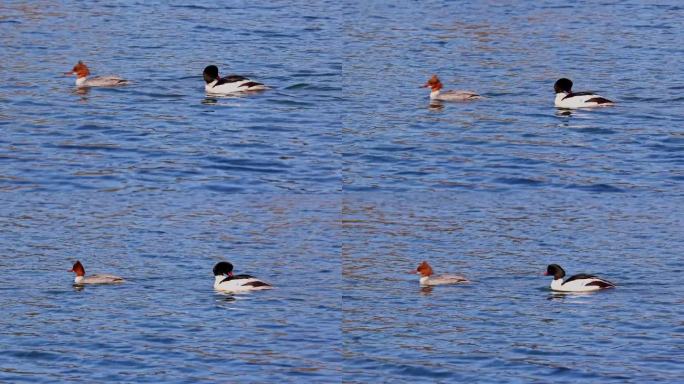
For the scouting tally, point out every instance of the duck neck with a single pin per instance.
(218, 279)
(560, 96)
(81, 80)
(434, 93)
(79, 279)
(424, 280)
(556, 284)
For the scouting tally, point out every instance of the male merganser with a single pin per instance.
(224, 280)
(576, 283)
(230, 84)
(426, 279)
(82, 80)
(94, 279)
(436, 94)
(565, 98)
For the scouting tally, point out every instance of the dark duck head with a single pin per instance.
(223, 268)
(563, 86)
(556, 271)
(210, 73)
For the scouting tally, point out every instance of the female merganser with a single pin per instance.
(94, 279)
(436, 94)
(565, 98)
(224, 280)
(230, 84)
(576, 283)
(426, 279)
(82, 80)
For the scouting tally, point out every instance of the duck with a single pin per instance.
(225, 280)
(230, 84)
(436, 92)
(577, 283)
(82, 80)
(567, 99)
(426, 279)
(81, 278)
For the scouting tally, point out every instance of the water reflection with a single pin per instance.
(435, 105)
(562, 112)
(426, 290)
(225, 298)
(570, 295)
(83, 92)
(222, 100)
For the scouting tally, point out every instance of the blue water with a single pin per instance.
(395, 141)
(333, 184)
(166, 323)
(506, 326)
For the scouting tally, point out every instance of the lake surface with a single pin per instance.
(166, 323)
(506, 326)
(333, 184)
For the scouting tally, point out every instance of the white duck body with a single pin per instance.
(577, 283)
(239, 283)
(580, 100)
(216, 85)
(567, 99)
(232, 87)
(427, 279)
(225, 281)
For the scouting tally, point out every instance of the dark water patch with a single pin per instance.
(396, 148)
(666, 148)
(32, 103)
(421, 371)
(223, 160)
(314, 74)
(674, 140)
(652, 26)
(92, 127)
(607, 188)
(518, 181)
(275, 34)
(91, 147)
(244, 168)
(34, 355)
(194, 6)
(412, 173)
(596, 131)
(294, 103)
(212, 28)
(379, 159)
(146, 47)
(299, 86)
